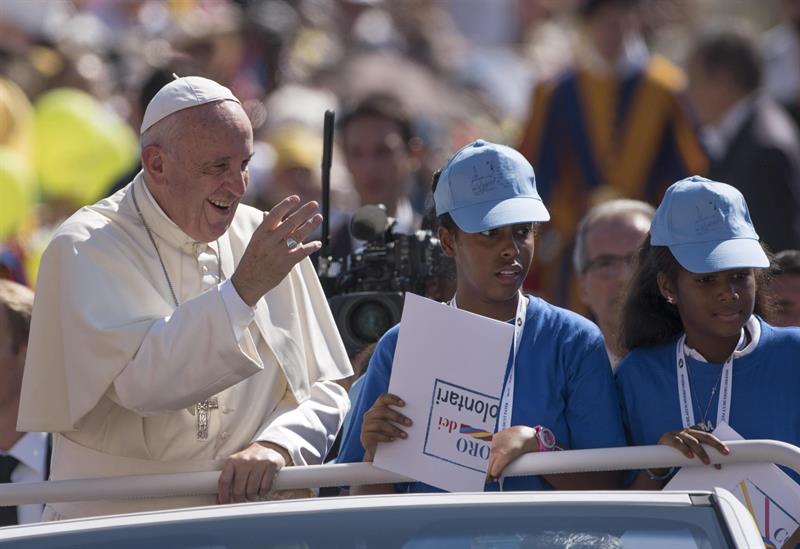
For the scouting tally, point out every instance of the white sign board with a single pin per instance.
(770, 495)
(448, 367)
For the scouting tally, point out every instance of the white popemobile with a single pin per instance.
(610, 519)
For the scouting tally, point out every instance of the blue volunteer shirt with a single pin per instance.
(764, 401)
(562, 380)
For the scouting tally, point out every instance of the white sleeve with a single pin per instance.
(307, 430)
(186, 357)
(240, 313)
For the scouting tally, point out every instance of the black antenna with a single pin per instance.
(327, 153)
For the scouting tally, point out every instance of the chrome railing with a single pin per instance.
(317, 476)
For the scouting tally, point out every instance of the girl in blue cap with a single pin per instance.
(559, 384)
(700, 354)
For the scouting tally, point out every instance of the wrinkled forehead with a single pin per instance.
(621, 221)
(210, 131)
(616, 235)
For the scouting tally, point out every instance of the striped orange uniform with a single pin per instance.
(593, 137)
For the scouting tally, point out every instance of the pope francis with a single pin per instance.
(176, 330)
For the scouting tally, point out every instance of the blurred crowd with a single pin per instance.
(611, 101)
(594, 93)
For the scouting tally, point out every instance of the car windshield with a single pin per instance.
(511, 526)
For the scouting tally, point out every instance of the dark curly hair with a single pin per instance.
(647, 318)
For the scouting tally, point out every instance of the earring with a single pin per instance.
(670, 301)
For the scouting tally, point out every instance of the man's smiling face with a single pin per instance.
(205, 166)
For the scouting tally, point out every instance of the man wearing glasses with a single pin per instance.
(606, 243)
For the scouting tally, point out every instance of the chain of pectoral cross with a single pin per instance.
(201, 409)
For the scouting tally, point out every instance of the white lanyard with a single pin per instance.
(507, 400)
(684, 387)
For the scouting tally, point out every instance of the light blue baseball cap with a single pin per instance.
(707, 227)
(486, 185)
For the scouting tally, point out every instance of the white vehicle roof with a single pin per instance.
(388, 503)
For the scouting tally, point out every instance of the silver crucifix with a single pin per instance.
(201, 411)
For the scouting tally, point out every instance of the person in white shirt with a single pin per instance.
(176, 330)
(23, 456)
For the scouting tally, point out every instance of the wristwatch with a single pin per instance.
(546, 438)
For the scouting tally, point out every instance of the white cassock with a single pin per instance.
(115, 370)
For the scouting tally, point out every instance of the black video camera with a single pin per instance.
(365, 289)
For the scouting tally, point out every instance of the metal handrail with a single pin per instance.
(317, 476)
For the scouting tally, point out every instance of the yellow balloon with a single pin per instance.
(16, 191)
(16, 117)
(81, 148)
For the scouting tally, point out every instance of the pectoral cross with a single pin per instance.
(201, 410)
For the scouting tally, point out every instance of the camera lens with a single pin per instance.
(370, 320)
(363, 317)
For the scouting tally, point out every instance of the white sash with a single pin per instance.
(507, 400)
